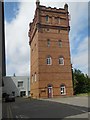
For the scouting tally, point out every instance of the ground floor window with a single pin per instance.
(23, 93)
(13, 93)
(63, 89)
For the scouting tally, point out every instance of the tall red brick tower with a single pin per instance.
(51, 74)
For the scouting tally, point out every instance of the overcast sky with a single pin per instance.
(18, 15)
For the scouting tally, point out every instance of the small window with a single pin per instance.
(47, 18)
(58, 31)
(20, 83)
(63, 89)
(47, 29)
(32, 78)
(58, 19)
(61, 61)
(60, 43)
(48, 43)
(49, 60)
(23, 93)
(35, 77)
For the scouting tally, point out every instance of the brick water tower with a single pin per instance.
(50, 71)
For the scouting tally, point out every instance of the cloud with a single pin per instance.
(79, 35)
(17, 40)
(79, 21)
(80, 60)
(44, 1)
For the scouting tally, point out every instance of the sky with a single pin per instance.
(18, 15)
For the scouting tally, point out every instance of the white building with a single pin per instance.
(18, 85)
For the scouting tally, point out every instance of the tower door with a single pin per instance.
(50, 92)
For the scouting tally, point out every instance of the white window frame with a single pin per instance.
(60, 43)
(22, 84)
(49, 60)
(63, 91)
(48, 42)
(35, 77)
(61, 61)
(32, 78)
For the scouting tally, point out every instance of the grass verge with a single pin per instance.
(83, 94)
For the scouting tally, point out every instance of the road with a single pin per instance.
(0, 108)
(26, 108)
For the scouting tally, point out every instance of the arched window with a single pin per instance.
(60, 43)
(47, 18)
(49, 60)
(35, 78)
(63, 89)
(61, 60)
(32, 78)
(59, 20)
(48, 43)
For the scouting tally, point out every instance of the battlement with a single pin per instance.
(52, 9)
(58, 17)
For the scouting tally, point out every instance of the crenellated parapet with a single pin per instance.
(57, 18)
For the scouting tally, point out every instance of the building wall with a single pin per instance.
(11, 85)
(55, 74)
(34, 66)
(0, 45)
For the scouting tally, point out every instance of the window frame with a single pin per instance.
(60, 43)
(49, 60)
(35, 77)
(58, 20)
(48, 42)
(47, 18)
(20, 86)
(63, 91)
(32, 79)
(61, 58)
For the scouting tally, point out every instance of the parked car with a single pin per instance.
(9, 98)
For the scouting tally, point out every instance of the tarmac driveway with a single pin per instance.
(81, 101)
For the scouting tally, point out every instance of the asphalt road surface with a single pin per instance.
(26, 108)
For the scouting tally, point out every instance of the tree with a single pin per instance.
(81, 82)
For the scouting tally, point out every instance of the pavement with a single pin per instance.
(79, 101)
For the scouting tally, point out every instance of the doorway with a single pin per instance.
(50, 91)
(22, 93)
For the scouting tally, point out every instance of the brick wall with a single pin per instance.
(55, 74)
